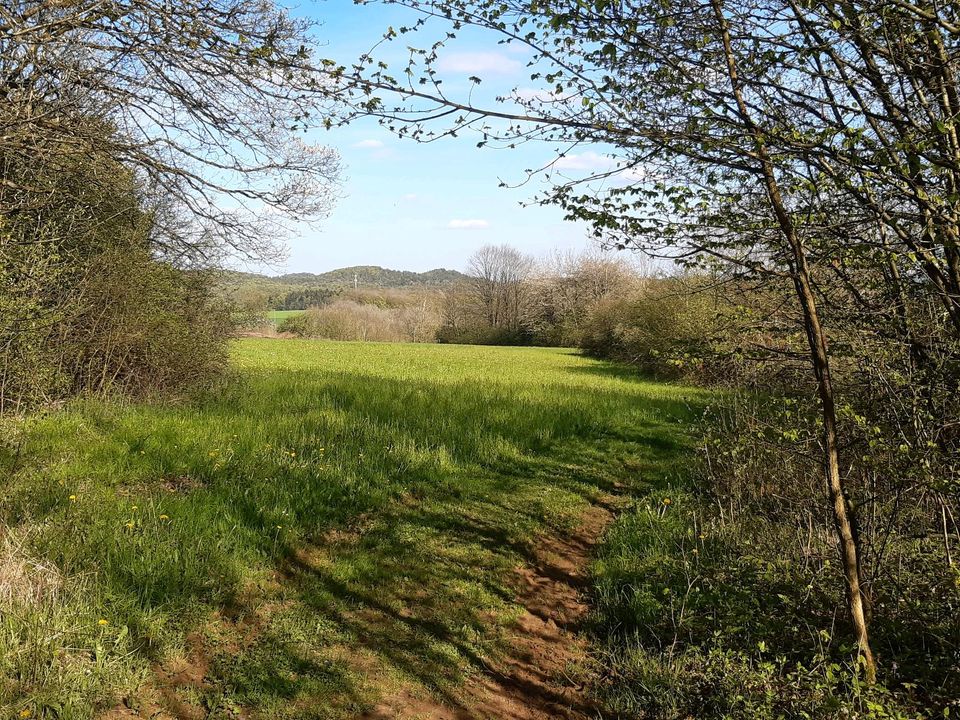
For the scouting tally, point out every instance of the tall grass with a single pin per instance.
(420, 474)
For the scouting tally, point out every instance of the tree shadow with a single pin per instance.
(390, 513)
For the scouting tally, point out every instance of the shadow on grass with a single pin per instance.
(367, 527)
(615, 371)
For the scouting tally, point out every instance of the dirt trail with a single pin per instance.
(535, 679)
(532, 681)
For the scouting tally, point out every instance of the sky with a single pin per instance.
(413, 206)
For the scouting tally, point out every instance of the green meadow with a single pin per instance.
(333, 521)
(277, 316)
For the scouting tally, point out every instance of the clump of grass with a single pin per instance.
(55, 653)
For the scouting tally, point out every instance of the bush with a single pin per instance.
(351, 320)
(708, 610)
(166, 329)
(667, 328)
(86, 305)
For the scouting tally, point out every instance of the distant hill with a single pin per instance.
(365, 276)
(297, 290)
(372, 276)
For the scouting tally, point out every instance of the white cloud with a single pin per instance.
(468, 224)
(478, 63)
(369, 144)
(517, 48)
(594, 162)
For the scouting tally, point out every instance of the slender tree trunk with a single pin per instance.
(820, 360)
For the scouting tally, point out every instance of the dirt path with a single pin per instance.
(537, 678)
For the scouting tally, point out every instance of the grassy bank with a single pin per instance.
(412, 477)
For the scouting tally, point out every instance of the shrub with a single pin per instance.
(351, 320)
(86, 304)
(667, 328)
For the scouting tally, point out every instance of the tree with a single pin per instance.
(565, 289)
(497, 280)
(201, 100)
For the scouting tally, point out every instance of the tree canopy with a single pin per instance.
(203, 101)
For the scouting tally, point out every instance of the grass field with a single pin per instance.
(412, 477)
(277, 316)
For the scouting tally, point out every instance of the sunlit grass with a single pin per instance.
(333, 508)
(279, 315)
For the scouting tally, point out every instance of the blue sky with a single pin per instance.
(417, 206)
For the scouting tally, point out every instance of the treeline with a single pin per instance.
(302, 299)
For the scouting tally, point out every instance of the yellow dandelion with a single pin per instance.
(164, 517)
(25, 713)
(129, 525)
(279, 527)
(102, 623)
(667, 501)
(134, 508)
(73, 498)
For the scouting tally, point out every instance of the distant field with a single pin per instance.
(278, 315)
(338, 519)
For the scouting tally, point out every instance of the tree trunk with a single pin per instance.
(820, 361)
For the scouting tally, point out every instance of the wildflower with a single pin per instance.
(129, 525)
(73, 498)
(667, 501)
(25, 713)
(164, 517)
(696, 552)
(702, 536)
(279, 527)
(134, 508)
(102, 623)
